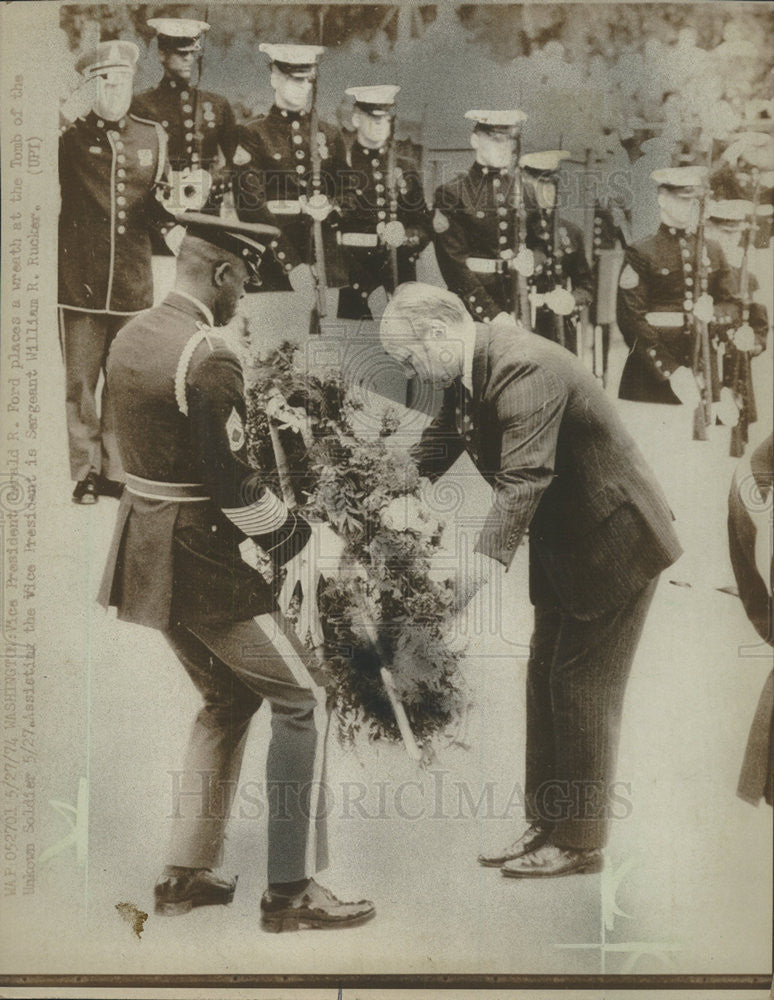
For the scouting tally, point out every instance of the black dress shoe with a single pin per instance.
(179, 890)
(549, 861)
(532, 838)
(86, 491)
(315, 907)
(109, 487)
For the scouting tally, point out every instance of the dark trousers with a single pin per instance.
(85, 339)
(576, 677)
(235, 667)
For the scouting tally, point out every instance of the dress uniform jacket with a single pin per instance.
(473, 219)
(569, 261)
(272, 170)
(201, 129)
(656, 286)
(545, 435)
(366, 201)
(178, 395)
(475, 233)
(109, 173)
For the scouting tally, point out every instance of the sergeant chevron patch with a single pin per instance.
(235, 430)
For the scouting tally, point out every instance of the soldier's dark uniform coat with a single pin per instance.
(569, 261)
(657, 276)
(174, 561)
(274, 164)
(474, 217)
(201, 129)
(108, 175)
(366, 202)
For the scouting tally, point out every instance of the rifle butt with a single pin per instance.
(700, 424)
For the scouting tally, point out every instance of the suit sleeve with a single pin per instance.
(632, 307)
(440, 444)
(529, 411)
(452, 252)
(217, 415)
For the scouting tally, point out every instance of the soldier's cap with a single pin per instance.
(545, 163)
(755, 148)
(247, 240)
(299, 61)
(106, 57)
(492, 120)
(731, 213)
(378, 101)
(178, 34)
(684, 182)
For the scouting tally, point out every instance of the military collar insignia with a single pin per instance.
(102, 124)
(279, 112)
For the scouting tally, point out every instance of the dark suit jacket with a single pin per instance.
(548, 439)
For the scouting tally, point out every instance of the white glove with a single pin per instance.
(523, 262)
(683, 384)
(174, 239)
(302, 280)
(704, 309)
(322, 556)
(744, 338)
(726, 410)
(560, 301)
(392, 234)
(318, 206)
(504, 317)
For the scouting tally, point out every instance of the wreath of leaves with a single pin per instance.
(349, 482)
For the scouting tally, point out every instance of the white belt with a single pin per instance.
(284, 207)
(151, 489)
(485, 265)
(665, 319)
(357, 239)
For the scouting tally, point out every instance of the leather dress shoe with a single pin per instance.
(532, 838)
(86, 491)
(550, 861)
(109, 487)
(315, 907)
(179, 890)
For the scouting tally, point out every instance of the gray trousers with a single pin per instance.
(576, 678)
(235, 667)
(85, 339)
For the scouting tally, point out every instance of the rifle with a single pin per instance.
(320, 310)
(741, 382)
(556, 271)
(702, 361)
(393, 214)
(521, 304)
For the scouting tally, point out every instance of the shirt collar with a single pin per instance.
(205, 311)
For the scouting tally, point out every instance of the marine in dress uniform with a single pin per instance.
(561, 283)
(274, 183)
(544, 433)
(192, 502)
(475, 220)
(383, 208)
(659, 291)
(739, 327)
(747, 164)
(200, 125)
(111, 166)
